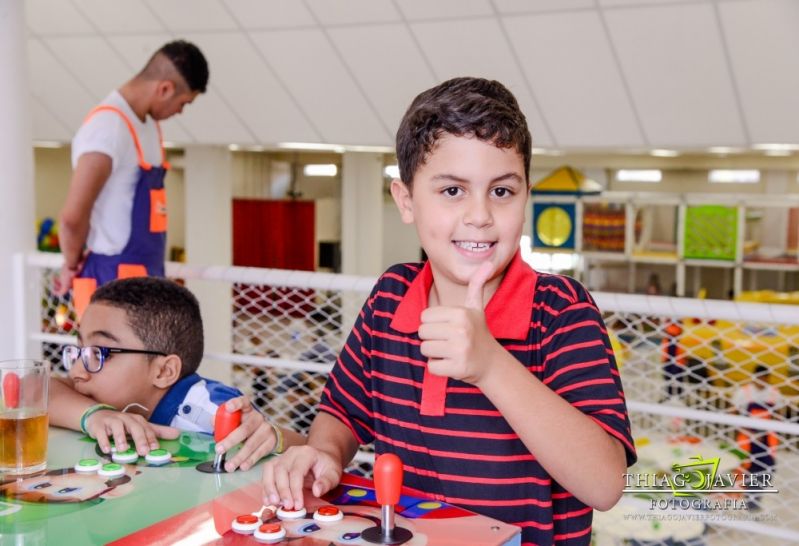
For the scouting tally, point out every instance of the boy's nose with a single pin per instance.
(478, 213)
(77, 371)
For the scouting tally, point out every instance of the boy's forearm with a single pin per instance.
(571, 447)
(330, 435)
(291, 438)
(66, 406)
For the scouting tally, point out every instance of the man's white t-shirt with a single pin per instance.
(107, 133)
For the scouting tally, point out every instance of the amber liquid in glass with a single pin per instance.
(23, 442)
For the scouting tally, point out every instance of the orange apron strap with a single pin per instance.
(126, 271)
(164, 163)
(108, 108)
(82, 290)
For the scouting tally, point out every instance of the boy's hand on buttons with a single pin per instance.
(456, 340)
(105, 425)
(285, 477)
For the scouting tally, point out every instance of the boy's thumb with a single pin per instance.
(474, 292)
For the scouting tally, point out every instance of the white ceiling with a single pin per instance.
(589, 74)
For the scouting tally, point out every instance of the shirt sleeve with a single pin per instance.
(348, 393)
(105, 132)
(579, 364)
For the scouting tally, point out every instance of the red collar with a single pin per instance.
(507, 313)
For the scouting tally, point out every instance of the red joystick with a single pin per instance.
(11, 390)
(225, 422)
(388, 479)
(388, 486)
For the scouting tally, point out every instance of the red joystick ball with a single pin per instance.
(388, 479)
(11, 390)
(225, 422)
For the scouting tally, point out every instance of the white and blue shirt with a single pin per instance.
(190, 404)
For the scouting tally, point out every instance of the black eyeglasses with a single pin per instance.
(94, 357)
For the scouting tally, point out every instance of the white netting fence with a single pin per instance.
(689, 368)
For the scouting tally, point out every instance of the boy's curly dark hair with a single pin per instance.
(163, 314)
(465, 106)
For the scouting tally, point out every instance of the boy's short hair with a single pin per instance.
(467, 106)
(189, 61)
(164, 315)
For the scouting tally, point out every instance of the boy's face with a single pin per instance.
(468, 204)
(125, 378)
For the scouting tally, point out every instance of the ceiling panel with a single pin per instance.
(83, 55)
(118, 16)
(45, 124)
(454, 51)
(571, 69)
(763, 43)
(353, 11)
(56, 87)
(391, 71)
(617, 3)
(209, 120)
(136, 49)
(48, 17)
(674, 63)
(538, 6)
(314, 74)
(444, 9)
(252, 91)
(192, 15)
(266, 14)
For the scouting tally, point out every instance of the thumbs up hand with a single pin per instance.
(456, 340)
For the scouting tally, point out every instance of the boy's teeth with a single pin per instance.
(474, 247)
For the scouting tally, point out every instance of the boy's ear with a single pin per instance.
(402, 197)
(165, 371)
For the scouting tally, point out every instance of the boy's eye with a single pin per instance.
(67, 490)
(452, 191)
(502, 192)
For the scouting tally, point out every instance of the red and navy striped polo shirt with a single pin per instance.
(470, 456)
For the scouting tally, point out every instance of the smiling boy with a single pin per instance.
(496, 385)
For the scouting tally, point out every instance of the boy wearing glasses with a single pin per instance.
(133, 373)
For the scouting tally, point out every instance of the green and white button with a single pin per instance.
(158, 456)
(87, 466)
(125, 457)
(112, 470)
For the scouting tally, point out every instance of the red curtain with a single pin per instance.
(276, 234)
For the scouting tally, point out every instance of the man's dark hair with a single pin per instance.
(472, 107)
(189, 61)
(164, 315)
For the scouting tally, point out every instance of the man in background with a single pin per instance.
(114, 220)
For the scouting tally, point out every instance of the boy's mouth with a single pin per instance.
(475, 246)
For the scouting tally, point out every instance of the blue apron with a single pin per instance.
(145, 250)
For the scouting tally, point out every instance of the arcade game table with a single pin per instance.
(173, 503)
